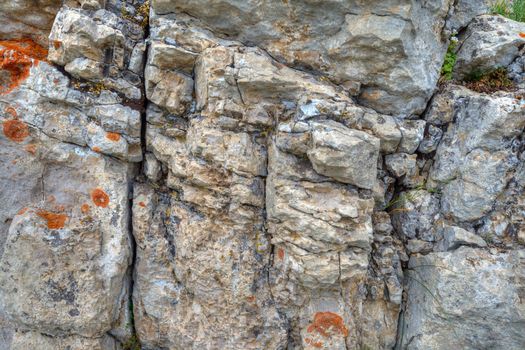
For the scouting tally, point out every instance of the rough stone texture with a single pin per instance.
(258, 175)
(28, 18)
(489, 42)
(466, 299)
(369, 45)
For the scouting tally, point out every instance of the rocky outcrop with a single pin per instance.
(259, 175)
(491, 315)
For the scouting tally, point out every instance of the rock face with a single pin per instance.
(367, 46)
(492, 315)
(258, 175)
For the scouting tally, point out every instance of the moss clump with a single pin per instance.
(489, 81)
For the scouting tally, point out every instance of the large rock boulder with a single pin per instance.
(368, 47)
(466, 299)
(489, 42)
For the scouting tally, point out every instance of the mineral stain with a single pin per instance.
(326, 323)
(100, 198)
(113, 136)
(15, 130)
(54, 220)
(16, 58)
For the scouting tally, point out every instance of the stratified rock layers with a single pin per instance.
(259, 175)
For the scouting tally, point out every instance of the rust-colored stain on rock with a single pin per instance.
(522, 34)
(22, 211)
(16, 58)
(100, 198)
(113, 136)
(315, 344)
(280, 253)
(326, 323)
(11, 111)
(96, 149)
(84, 208)
(142, 204)
(31, 148)
(54, 220)
(15, 130)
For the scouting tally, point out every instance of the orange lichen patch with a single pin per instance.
(113, 136)
(57, 44)
(54, 220)
(26, 47)
(314, 344)
(22, 211)
(142, 204)
(100, 198)
(10, 110)
(85, 208)
(251, 298)
(280, 253)
(31, 148)
(16, 58)
(521, 34)
(96, 149)
(15, 130)
(326, 323)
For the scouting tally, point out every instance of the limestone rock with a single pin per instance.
(57, 291)
(490, 42)
(332, 37)
(474, 159)
(348, 156)
(258, 175)
(454, 237)
(97, 46)
(439, 314)
(28, 19)
(36, 341)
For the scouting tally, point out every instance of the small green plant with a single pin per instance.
(513, 9)
(450, 60)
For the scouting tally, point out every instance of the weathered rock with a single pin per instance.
(474, 160)
(287, 177)
(454, 237)
(333, 38)
(465, 299)
(28, 19)
(97, 46)
(489, 42)
(58, 290)
(36, 341)
(349, 156)
(400, 164)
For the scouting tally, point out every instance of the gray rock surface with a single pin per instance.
(466, 299)
(489, 42)
(258, 175)
(373, 45)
